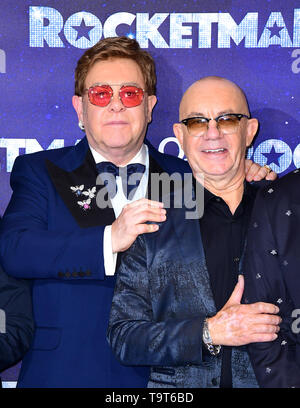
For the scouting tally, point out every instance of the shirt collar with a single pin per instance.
(140, 157)
(249, 191)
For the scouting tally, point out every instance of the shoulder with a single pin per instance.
(41, 156)
(280, 196)
(287, 185)
(36, 162)
(289, 181)
(33, 167)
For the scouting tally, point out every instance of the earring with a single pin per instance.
(81, 125)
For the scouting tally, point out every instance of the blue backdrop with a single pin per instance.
(255, 43)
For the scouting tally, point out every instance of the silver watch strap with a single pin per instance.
(212, 348)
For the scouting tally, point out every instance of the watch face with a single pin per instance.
(206, 336)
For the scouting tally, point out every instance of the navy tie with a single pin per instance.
(125, 173)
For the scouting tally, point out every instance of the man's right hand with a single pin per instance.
(237, 325)
(132, 222)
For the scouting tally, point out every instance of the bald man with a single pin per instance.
(177, 304)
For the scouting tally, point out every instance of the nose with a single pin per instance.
(115, 104)
(212, 131)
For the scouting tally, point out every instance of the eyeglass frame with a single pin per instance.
(239, 116)
(110, 85)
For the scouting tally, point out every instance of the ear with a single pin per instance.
(252, 127)
(178, 132)
(151, 102)
(77, 105)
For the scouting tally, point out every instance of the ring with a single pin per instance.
(267, 168)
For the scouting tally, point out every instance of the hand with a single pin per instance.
(237, 325)
(255, 172)
(131, 222)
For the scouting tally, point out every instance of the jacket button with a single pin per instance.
(214, 381)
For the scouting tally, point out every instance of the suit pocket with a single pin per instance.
(160, 384)
(46, 338)
(162, 376)
(163, 370)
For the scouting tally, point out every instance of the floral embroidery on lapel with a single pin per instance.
(85, 204)
(90, 192)
(77, 189)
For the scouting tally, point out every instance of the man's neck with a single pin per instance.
(119, 158)
(231, 191)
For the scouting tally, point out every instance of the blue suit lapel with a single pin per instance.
(77, 168)
(74, 157)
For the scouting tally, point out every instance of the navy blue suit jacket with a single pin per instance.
(48, 238)
(272, 275)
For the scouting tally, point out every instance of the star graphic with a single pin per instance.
(273, 157)
(275, 30)
(83, 30)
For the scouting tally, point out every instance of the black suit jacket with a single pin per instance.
(272, 274)
(16, 321)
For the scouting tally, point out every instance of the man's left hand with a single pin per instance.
(255, 172)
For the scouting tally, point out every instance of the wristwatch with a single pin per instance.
(207, 340)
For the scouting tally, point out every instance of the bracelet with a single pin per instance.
(213, 349)
(207, 340)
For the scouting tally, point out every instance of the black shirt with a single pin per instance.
(223, 235)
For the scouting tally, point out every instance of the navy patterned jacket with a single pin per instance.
(272, 274)
(161, 299)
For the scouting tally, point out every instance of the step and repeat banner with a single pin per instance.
(255, 43)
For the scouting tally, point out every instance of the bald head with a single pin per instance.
(213, 93)
(217, 153)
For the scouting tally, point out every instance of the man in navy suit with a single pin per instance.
(177, 306)
(272, 275)
(55, 232)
